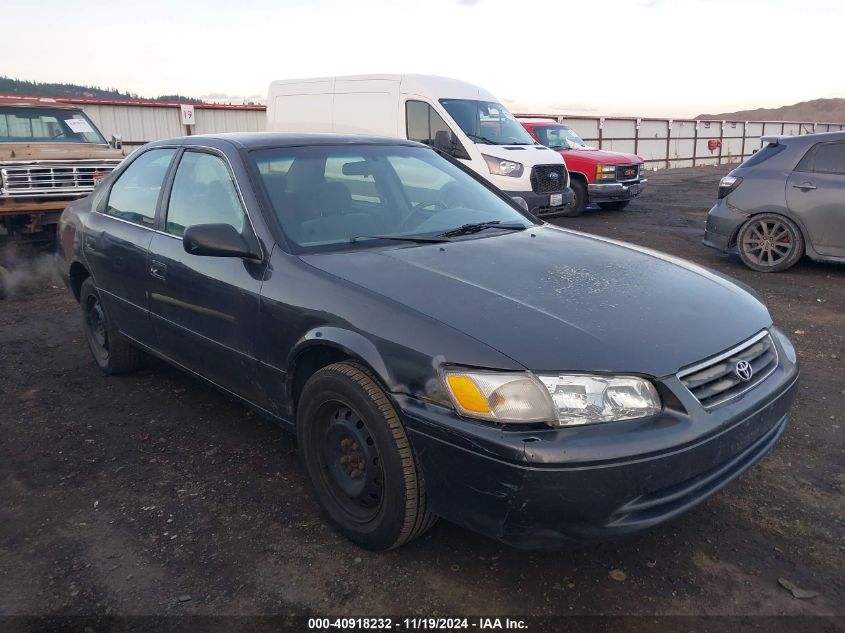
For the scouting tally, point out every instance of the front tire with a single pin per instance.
(770, 243)
(579, 199)
(359, 460)
(614, 205)
(110, 350)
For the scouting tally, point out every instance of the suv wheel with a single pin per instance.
(770, 243)
(110, 350)
(359, 459)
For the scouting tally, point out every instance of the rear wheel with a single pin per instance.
(770, 243)
(111, 352)
(359, 459)
(614, 205)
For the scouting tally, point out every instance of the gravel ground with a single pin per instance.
(154, 494)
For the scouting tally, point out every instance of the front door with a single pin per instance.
(205, 309)
(815, 193)
(116, 244)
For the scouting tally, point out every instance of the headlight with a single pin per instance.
(500, 397)
(605, 172)
(502, 167)
(582, 398)
(566, 400)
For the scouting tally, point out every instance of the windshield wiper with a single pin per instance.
(481, 139)
(400, 238)
(475, 227)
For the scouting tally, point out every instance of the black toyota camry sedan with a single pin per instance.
(437, 351)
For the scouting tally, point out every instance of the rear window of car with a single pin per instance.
(772, 149)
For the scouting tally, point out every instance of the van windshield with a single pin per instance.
(487, 122)
(340, 197)
(20, 124)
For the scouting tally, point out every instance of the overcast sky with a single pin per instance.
(637, 57)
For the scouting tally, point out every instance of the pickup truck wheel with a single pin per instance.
(359, 459)
(614, 205)
(111, 352)
(579, 199)
(770, 243)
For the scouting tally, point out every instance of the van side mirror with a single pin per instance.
(116, 141)
(217, 240)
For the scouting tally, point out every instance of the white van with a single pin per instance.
(455, 117)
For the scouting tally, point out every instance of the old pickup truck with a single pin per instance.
(50, 154)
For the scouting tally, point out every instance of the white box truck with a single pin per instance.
(454, 117)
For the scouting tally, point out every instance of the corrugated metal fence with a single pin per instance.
(666, 143)
(141, 122)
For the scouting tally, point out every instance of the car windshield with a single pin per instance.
(559, 137)
(20, 124)
(487, 122)
(332, 197)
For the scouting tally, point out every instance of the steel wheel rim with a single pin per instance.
(97, 331)
(767, 242)
(350, 463)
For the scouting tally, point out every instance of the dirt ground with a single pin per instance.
(154, 494)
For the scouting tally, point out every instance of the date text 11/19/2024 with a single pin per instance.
(416, 624)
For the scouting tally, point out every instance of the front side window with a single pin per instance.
(203, 192)
(824, 158)
(424, 125)
(134, 195)
(46, 125)
(341, 197)
(559, 137)
(487, 122)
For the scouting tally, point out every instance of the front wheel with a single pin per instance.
(579, 199)
(770, 243)
(614, 205)
(359, 459)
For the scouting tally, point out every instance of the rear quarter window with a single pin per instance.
(767, 152)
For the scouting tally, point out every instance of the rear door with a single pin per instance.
(205, 309)
(118, 236)
(815, 193)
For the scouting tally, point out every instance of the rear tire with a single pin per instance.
(110, 350)
(359, 460)
(614, 205)
(769, 243)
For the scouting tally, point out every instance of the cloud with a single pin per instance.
(468, 3)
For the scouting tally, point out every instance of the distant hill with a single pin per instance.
(816, 111)
(41, 89)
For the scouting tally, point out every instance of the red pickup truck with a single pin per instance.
(610, 179)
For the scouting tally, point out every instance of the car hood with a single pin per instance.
(23, 152)
(553, 299)
(600, 156)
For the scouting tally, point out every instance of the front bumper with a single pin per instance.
(540, 203)
(723, 224)
(616, 190)
(558, 487)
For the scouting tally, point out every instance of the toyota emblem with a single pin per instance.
(744, 370)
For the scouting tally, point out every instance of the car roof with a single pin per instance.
(258, 140)
(805, 139)
(24, 102)
(539, 120)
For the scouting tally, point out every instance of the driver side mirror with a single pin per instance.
(217, 240)
(116, 141)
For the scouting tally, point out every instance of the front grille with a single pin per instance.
(717, 380)
(627, 172)
(548, 178)
(52, 178)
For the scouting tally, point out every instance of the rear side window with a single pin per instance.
(134, 196)
(203, 193)
(770, 150)
(824, 158)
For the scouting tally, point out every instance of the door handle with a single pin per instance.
(158, 270)
(805, 186)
